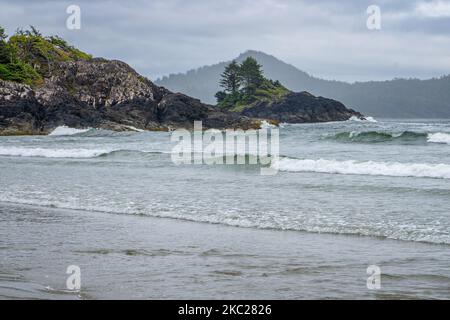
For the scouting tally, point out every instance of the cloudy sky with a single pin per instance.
(329, 39)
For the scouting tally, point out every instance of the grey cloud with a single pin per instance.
(326, 38)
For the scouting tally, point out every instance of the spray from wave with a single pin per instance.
(352, 167)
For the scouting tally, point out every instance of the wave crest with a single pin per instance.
(439, 138)
(378, 137)
(52, 153)
(74, 153)
(393, 169)
(364, 119)
(67, 131)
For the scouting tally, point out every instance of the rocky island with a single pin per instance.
(248, 92)
(46, 83)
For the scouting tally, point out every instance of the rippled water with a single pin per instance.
(389, 179)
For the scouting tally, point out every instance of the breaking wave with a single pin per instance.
(392, 230)
(52, 153)
(365, 119)
(402, 137)
(67, 131)
(244, 158)
(64, 131)
(378, 137)
(439, 138)
(352, 167)
(72, 153)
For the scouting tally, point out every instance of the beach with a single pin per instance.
(131, 257)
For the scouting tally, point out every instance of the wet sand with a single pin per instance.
(140, 257)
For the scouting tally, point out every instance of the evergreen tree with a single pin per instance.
(245, 84)
(3, 36)
(252, 75)
(231, 78)
(4, 51)
(221, 96)
(34, 32)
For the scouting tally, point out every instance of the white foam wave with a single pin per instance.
(439, 138)
(396, 229)
(365, 119)
(371, 119)
(134, 129)
(67, 131)
(394, 169)
(51, 153)
(266, 125)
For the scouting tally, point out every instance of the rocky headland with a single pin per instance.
(46, 83)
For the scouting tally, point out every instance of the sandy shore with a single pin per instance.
(135, 257)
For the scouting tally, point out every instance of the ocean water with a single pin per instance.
(349, 186)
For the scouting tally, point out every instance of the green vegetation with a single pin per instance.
(231, 81)
(244, 85)
(28, 56)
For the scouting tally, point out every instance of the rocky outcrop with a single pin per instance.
(19, 109)
(111, 95)
(301, 107)
(103, 94)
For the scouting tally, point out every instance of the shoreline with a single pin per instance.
(124, 256)
(187, 220)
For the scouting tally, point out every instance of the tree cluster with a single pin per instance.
(243, 84)
(27, 55)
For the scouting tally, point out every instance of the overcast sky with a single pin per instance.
(326, 38)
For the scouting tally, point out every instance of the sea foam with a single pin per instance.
(51, 153)
(266, 125)
(394, 169)
(134, 129)
(67, 131)
(439, 138)
(365, 119)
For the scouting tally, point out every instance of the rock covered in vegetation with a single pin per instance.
(249, 92)
(46, 83)
(103, 94)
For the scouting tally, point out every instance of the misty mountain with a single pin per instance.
(398, 98)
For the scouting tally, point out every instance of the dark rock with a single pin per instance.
(102, 94)
(301, 107)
